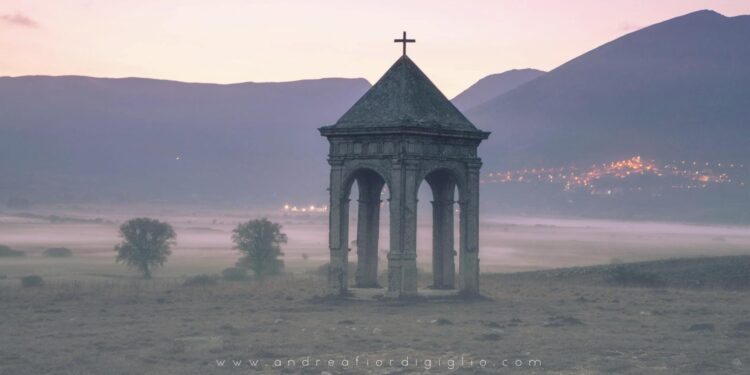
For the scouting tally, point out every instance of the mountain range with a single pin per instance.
(82, 139)
(677, 90)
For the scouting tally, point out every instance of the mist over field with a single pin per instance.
(508, 243)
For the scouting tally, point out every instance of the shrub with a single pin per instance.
(234, 274)
(322, 271)
(31, 281)
(201, 280)
(58, 252)
(629, 276)
(260, 243)
(6, 251)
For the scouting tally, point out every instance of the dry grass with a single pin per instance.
(93, 316)
(129, 327)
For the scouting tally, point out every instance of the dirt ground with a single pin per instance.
(93, 316)
(161, 327)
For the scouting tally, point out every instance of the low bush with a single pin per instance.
(629, 276)
(201, 280)
(234, 274)
(31, 281)
(58, 252)
(6, 251)
(322, 271)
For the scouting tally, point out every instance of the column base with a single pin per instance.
(338, 272)
(469, 275)
(402, 275)
(441, 287)
(368, 286)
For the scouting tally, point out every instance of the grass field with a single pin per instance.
(93, 316)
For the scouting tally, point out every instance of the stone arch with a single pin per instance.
(360, 170)
(444, 182)
(370, 184)
(455, 172)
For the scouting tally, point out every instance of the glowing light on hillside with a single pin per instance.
(290, 208)
(693, 174)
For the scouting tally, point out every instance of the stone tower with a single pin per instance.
(403, 131)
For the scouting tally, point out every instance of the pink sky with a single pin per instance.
(225, 41)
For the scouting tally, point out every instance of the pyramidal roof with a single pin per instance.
(404, 97)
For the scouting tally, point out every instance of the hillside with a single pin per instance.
(723, 272)
(673, 91)
(83, 139)
(493, 86)
(651, 125)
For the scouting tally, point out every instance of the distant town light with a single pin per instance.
(571, 178)
(306, 209)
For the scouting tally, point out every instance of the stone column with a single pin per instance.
(338, 231)
(443, 263)
(409, 224)
(368, 231)
(396, 230)
(469, 253)
(437, 243)
(402, 258)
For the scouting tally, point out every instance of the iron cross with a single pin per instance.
(404, 41)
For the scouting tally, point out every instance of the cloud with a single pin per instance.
(18, 19)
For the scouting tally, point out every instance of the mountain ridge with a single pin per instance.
(492, 86)
(67, 139)
(649, 80)
(164, 80)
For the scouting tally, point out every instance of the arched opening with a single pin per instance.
(437, 236)
(366, 230)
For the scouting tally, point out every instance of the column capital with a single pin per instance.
(443, 201)
(473, 166)
(378, 201)
(336, 162)
(409, 256)
(411, 165)
(394, 255)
